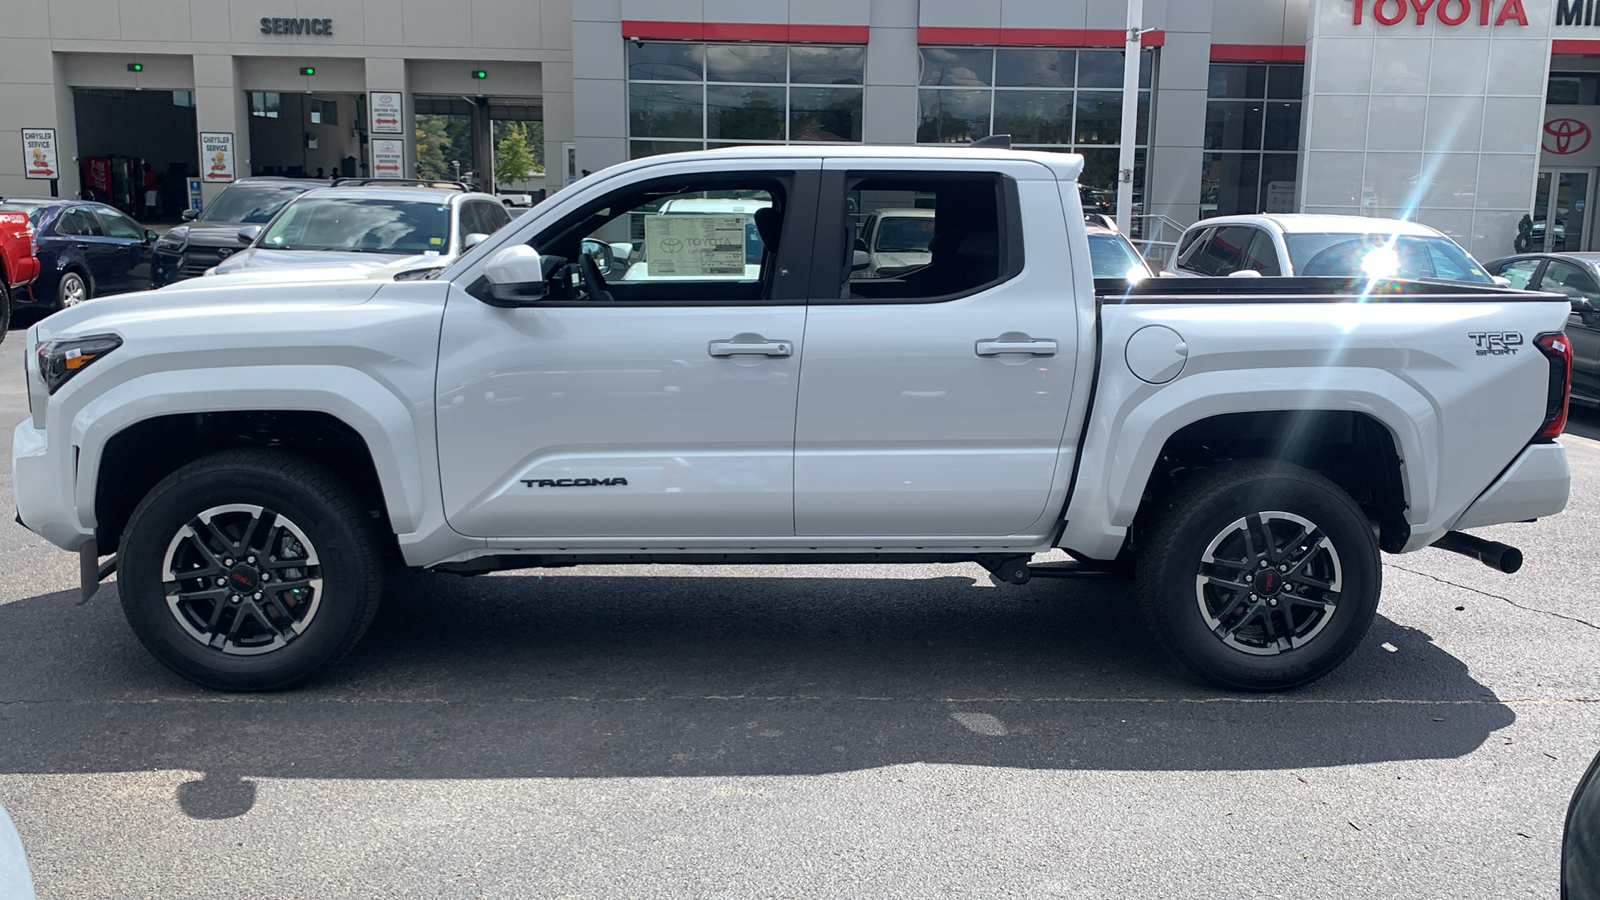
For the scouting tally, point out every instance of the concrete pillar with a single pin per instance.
(220, 104)
(889, 109)
(1173, 162)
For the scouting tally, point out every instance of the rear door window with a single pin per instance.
(1223, 252)
(1520, 272)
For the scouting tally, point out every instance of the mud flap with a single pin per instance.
(91, 571)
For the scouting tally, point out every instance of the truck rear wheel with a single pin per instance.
(5, 307)
(249, 570)
(1259, 575)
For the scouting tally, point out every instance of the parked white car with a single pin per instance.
(370, 223)
(896, 241)
(1311, 245)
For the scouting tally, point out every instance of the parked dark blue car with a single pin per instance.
(85, 250)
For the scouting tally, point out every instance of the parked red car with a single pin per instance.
(18, 265)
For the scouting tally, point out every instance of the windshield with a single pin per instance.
(1382, 256)
(252, 204)
(904, 234)
(360, 225)
(1113, 257)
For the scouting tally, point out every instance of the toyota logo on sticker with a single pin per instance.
(1569, 136)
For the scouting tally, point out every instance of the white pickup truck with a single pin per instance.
(257, 452)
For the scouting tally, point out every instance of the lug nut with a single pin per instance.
(1263, 564)
(236, 598)
(1254, 598)
(1288, 587)
(1273, 602)
(266, 576)
(221, 582)
(1283, 568)
(227, 562)
(250, 559)
(258, 595)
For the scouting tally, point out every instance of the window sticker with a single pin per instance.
(694, 245)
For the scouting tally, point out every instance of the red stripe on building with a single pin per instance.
(1576, 48)
(1035, 37)
(1257, 53)
(766, 33)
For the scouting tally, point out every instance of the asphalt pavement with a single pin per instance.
(838, 731)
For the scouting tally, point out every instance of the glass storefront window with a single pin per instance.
(957, 67)
(824, 114)
(1035, 68)
(1045, 98)
(666, 61)
(952, 117)
(743, 112)
(1035, 117)
(746, 63)
(827, 65)
(665, 110)
(1252, 139)
(685, 96)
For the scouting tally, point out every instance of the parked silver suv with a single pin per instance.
(377, 222)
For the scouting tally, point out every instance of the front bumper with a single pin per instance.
(1535, 484)
(43, 485)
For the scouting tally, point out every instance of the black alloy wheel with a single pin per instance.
(1259, 575)
(249, 570)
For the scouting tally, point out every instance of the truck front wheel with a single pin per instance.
(1259, 575)
(249, 570)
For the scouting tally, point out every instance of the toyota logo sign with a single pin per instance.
(1569, 136)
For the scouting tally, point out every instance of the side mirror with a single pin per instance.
(1501, 280)
(472, 240)
(515, 276)
(1245, 273)
(861, 246)
(604, 257)
(189, 215)
(859, 260)
(150, 237)
(249, 233)
(1583, 308)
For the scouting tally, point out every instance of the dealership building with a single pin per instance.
(1468, 115)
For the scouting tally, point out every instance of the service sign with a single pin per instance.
(39, 153)
(216, 155)
(388, 158)
(386, 112)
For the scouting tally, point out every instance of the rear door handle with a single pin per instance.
(1008, 344)
(722, 349)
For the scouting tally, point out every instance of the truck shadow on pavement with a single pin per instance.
(601, 675)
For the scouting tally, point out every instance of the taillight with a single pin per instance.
(1558, 350)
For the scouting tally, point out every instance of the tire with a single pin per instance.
(72, 290)
(294, 614)
(5, 308)
(1247, 618)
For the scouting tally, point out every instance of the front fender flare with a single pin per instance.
(384, 420)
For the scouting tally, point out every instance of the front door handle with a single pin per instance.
(1016, 343)
(744, 346)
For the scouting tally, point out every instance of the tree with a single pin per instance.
(512, 159)
(432, 146)
(534, 133)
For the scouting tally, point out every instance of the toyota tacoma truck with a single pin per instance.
(250, 456)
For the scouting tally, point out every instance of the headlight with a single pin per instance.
(60, 360)
(169, 245)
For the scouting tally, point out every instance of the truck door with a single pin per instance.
(656, 401)
(932, 402)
